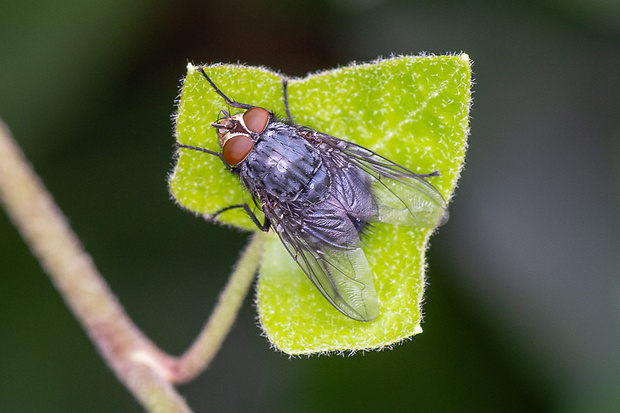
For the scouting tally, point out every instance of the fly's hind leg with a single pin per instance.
(429, 175)
(263, 227)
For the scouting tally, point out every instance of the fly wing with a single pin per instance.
(327, 247)
(402, 197)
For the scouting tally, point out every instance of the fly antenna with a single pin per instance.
(228, 100)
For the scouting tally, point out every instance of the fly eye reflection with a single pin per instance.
(237, 148)
(256, 119)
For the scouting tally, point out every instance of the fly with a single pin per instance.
(320, 194)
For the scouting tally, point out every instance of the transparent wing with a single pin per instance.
(324, 239)
(402, 197)
(321, 242)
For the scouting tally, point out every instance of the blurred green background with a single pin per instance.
(522, 309)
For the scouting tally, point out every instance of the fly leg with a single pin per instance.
(228, 100)
(263, 227)
(199, 149)
(196, 148)
(289, 118)
(429, 175)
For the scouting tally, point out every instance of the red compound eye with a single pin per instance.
(256, 119)
(237, 148)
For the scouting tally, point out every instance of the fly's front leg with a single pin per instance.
(228, 100)
(263, 227)
(210, 152)
(196, 148)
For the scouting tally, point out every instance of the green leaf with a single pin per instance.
(412, 110)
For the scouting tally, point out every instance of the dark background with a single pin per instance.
(523, 305)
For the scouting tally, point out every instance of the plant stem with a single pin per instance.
(143, 368)
(200, 354)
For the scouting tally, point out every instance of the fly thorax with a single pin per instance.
(282, 163)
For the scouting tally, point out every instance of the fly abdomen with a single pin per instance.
(317, 189)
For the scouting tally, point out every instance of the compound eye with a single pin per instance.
(236, 149)
(256, 119)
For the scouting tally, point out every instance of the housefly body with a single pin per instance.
(319, 194)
